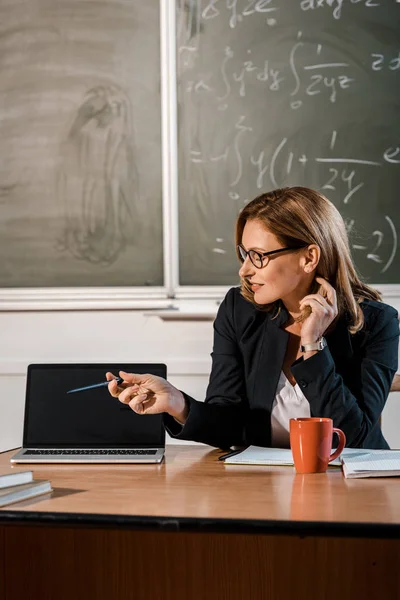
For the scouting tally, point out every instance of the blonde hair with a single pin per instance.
(301, 216)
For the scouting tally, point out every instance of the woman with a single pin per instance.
(303, 336)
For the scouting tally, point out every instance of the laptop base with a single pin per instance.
(82, 456)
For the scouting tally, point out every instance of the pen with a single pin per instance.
(95, 385)
(224, 456)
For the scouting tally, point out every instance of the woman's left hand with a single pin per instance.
(323, 311)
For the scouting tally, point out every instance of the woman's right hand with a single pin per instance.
(148, 395)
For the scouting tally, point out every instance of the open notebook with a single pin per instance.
(256, 455)
(376, 463)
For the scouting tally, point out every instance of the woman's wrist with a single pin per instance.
(179, 407)
(310, 339)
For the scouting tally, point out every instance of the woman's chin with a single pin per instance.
(261, 297)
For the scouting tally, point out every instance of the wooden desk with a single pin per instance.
(194, 528)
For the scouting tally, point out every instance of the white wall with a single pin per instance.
(95, 336)
(113, 336)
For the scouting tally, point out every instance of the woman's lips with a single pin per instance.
(256, 286)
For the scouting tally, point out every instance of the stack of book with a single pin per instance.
(20, 485)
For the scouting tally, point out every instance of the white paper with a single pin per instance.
(257, 455)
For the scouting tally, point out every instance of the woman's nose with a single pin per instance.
(246, 268)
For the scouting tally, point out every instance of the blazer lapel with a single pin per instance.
(269, 365)
(270, 362)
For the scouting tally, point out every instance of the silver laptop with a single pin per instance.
(88, 426)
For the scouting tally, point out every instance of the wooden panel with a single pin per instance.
(2, 564)
(64, 564)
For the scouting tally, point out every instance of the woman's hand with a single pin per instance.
(323, 311)
(149, 395)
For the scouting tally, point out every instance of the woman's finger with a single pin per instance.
(318, 298)
(145, 406)
(110, 376)
(116, 389)
(113, 389)
(132, 378)
(316, 307)
(137, 403)
(126, 395)
(329, 290)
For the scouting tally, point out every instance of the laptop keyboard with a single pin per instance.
(90, 452)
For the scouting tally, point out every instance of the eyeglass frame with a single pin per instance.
(261, 255)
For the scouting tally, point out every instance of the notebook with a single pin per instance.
(257, 455)
(90, 426)
(15, 478)
(376, 463)
(16, 493)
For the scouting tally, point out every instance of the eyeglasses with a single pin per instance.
(261, 259)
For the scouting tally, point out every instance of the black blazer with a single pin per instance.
(348, 381)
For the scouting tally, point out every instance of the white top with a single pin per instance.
(289, 403)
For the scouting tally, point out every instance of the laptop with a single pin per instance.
(89, 426)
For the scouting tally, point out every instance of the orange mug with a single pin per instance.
(311, 443)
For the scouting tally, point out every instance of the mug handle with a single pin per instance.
(342, 443)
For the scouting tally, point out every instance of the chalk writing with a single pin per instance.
(273, 95)
(334, 5)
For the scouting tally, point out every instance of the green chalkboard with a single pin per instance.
(286, 92)
(80, 153)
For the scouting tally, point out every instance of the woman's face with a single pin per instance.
(287, 275)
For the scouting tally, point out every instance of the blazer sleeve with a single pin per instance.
(219, 420)
(328, 395)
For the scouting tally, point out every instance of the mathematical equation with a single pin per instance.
(336, 6)
(389, 155)
(236, 14)
(239, 83)
(238, 10)
(329, 77)
(281, 160)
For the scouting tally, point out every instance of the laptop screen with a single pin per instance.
(87, 419)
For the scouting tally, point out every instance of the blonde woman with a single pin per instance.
(302, 336)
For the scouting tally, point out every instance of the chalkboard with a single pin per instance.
(80, 153)
(274, 93)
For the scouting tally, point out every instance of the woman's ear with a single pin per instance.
(311, 258)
